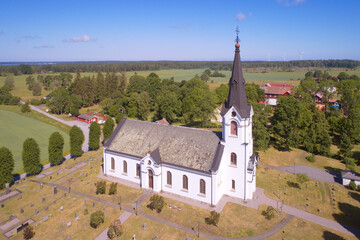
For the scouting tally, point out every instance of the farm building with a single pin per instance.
(275, 90)
(87, 118)
(194, 163)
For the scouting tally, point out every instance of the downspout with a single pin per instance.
(212, 188)
(245, 164)
(104, 161)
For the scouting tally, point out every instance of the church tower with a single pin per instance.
(237, 135)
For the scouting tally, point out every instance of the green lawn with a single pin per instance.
(15, 128)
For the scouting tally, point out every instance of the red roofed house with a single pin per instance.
(274, 90)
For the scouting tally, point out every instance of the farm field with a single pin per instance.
(15, 128)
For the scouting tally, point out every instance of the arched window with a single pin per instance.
(112, 164)
(233, 128)
(168, 179)
(202, 186)
(185, 182)
(138, 170)
(233, 184)
(233, 159)
(124, 167)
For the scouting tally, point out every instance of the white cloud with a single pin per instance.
(179, 27)
(240, 16)
(43, 46)
(288, 3)
(83, 38)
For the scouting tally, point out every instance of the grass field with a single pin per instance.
(15, 128)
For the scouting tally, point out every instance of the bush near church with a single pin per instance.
(213, 219)
(113, 188)
(29, 232)
(97, 218)
(269, 213)
(352, 185)
(156, 202)
(115, 229)
(101, 187)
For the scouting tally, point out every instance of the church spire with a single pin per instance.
(237, 94)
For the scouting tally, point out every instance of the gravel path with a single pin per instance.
(313, 173)
(83, 126)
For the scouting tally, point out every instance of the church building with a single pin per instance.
(194, 163)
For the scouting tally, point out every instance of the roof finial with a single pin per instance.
(237, 45)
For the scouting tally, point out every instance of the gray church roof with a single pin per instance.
(181, 146)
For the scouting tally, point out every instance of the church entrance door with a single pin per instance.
(151, 179)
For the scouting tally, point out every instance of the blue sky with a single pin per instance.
(64, 30)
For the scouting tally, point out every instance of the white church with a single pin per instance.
(190, 162)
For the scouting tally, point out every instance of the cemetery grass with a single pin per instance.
(15, 128)
(299, 229)
(344, 209)
(235, 220)
(79, 182)
(297, 156)
(135, 225)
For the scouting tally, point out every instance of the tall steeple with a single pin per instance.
(237, 94)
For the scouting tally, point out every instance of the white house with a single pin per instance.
(193, 163)
(348, 176)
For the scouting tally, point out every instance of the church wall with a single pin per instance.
(193, 183)
(118, 172)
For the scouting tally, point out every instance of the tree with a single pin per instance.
(253, 93)
(352, 185)
(143, 105)
(36, 89)
(260, 130)
(7, 166)
(213, 219)
(167, 106)
(58, 101)
(97, 218)
(156, 202)
(269, 213)
(76, 140)
(205, 77)
(113, 188)
(302, 178)
(123, 83)
(25, 108)
(31, 156)
(94, 136)
(345, 146)
(30, 80)
(101, 187)
(55, 148)
(115, 229)
(28, 232)
(108, 128)
(100, 87)
(9, 82)
(222, 93)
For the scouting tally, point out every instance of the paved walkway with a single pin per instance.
(83, 126)
(313, 173)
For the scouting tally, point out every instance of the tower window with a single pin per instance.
(233, 184)
(233, 114)
(233, 128)
(233, 159)
(138, 170)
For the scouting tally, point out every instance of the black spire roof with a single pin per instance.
(237, 95)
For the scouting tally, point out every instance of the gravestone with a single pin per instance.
(55, 190)
(69, 224)
(68, 237)
(93, 204)
(76, 215)
(84, 201)
(41, 185)
(21, 210)
(63, 224)
(32, 205)
(133, 237)
(2, 205)
(45, 218)
(64, 194)
(144, 226)
(7, 189)
(74, 198)
(36, 211)
(57, 173)
(43, 199)
(50, 177)
(46, 208)
(86, 174)
(20, 197)
(61, 208)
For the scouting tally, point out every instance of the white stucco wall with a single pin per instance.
(346, 182)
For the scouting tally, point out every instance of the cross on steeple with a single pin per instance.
(237, 34)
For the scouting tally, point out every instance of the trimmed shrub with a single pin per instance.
(310, 158)
(213, 219)
(94, 136)
(97, 218)
(7, 166)
(113, 188)
(76, 140)
(101, 187)
(108, 128)
(156, 202)
(55, 148)
(293, 184)
(358, 188)
(352, 185)
(302, 178)
(115, 229)
(29, 232)
(35, 102)
(25, 108)
(269, 213)
(31, 156)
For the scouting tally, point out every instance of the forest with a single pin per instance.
(161, 65)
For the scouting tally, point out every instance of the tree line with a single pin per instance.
(161, 65)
